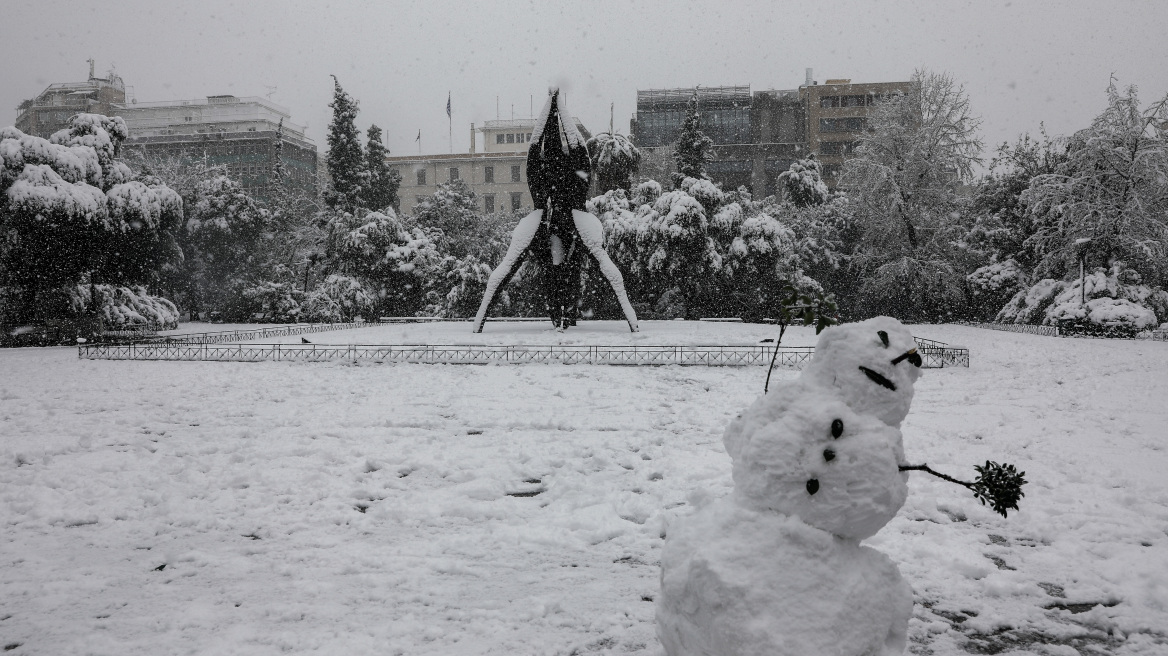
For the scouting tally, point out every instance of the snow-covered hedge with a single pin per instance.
(276, 301)
(1112, 305)
(338, 298)
(125, 307)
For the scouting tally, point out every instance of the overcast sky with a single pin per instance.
(1022, 62)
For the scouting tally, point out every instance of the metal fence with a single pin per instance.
(223, 336)
(1029, 329)
(935, 356)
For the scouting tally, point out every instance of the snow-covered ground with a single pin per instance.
(283, 507)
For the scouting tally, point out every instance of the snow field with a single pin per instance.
(221, 508)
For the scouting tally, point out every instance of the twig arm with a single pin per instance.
(927, 469)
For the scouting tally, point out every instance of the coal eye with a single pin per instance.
(829, 454)
(837, 428)
(883, 337)
(915, 359)
(812, 486)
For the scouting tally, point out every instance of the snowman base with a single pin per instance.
(737, 581)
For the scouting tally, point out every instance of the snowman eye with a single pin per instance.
(883, 337)
(812, 486)
(837, 428)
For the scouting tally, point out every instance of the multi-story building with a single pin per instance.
(837, 112)
(51, 109)
(239, 134)
(498, 175)
(757, 135)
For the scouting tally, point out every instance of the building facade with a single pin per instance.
(498, 174)
(50, 111)
(758, 135)
(239, 134)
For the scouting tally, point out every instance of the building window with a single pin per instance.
(453, 173)
(515, 173)
(837, 147)
(489, 175)
(421, 177)
(832, 171)
(489, 203)
(511, 138)
(499, 138)
(418, 200)
(529, 136)
(516, 199)
(849, 124)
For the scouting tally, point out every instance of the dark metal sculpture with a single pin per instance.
(559, 234)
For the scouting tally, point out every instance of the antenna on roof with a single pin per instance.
(91, 62)
(271, 89)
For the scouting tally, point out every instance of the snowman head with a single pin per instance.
(871, 365)
(822, 462)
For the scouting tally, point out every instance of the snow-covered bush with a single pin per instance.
(802, 183)
(276, 301)
(1111, 304)
(993, 285)
(125, 307)
(646, 193)
(614, 159)
(337, 298)
(466, 282)
(70, 210)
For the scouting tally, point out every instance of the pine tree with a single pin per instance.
(615, 159)
(694, 149)
(278, 172)
(346, 161)
(381, 188)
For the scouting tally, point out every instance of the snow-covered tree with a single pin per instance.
(1108, 201)
(904, 182)
(694, 149)
(615, 160)
(225, 230)
(802, 183)
(383, 182)
(71, 211)
(393, 261)
(451, 216)
(346, 160)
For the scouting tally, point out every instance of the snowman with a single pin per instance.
(777, 567)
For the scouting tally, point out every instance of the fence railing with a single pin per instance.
(222, 336)
(1029, 329)
(1057, 331)
(936, 355)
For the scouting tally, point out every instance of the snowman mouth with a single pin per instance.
(877, 378)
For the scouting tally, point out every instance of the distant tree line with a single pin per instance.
(1069, 230)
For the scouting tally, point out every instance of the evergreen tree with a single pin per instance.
(346, 161)
(694, 149)
(71, 212)
(383, 182)
(278, 172)
(802, 183)
(615, 160)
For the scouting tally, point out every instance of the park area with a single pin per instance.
(341, 507)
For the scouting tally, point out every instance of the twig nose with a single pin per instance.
(911, 355)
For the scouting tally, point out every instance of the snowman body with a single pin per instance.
(777, 567)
